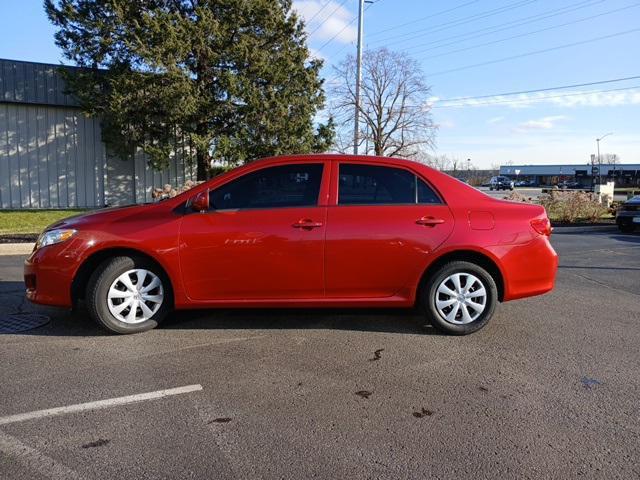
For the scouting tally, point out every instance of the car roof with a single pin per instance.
(339, 157)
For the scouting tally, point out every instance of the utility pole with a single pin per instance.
(356, 122)
(599, 162)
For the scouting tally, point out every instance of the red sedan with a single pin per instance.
(301, 231)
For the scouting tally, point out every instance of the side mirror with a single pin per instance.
(200, 202)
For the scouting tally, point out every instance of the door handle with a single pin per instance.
(307, 224)
(429, 221)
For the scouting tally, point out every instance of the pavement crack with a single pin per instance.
(602, 284)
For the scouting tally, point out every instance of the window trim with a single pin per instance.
(415, 174)
(323, 180)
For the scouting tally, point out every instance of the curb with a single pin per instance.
(585, 229)
(16, 248)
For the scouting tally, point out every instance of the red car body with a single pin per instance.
(325, 255)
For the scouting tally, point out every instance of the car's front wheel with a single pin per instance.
(626, 228)
(460, 298)
(128, 295)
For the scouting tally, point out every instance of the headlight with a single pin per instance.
(54, 236)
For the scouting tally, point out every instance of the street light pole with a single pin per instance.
(356, 122)
(599, 161)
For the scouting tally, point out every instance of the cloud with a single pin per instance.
(447, 124)
(559, 99)
(325, 20)
(495, 120)
(544, 123)
(317, 54)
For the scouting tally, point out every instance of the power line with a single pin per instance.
(318, 11)
(537, 90)
(536, 99)
(534, 52)
(507, 25)
(346, 26)
(327, 18)
(437, 103)
(421, 19)
(456, 101)
(455, 23)
(520, 35)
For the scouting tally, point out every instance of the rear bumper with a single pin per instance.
(529, 269)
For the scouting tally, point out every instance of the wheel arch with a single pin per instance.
(88, 266)
(481, 259)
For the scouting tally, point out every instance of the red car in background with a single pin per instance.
(301, 231)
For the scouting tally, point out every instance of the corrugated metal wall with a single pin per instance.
(35, 83)
(52, 156)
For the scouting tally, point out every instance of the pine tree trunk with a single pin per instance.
(202, 159)
(202, 155)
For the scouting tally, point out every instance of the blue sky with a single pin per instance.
(527, 130)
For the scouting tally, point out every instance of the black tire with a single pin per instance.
(626, 228)
(429, 296)
(100, 283)
(491, 189)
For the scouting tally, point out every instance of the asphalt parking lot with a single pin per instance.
(549, 389)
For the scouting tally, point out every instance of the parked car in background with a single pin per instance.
(301, 231)
(524, 183)
(501, 183)
(628, 215)
(569, 185)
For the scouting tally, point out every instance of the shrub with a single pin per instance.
(567, 207)
(168, 191)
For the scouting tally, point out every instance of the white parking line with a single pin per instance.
(110, 402)
(34, 460)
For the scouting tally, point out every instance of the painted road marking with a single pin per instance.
(111, 402)
(34, 460)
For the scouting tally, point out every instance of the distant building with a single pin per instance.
(52, 156)
(624, 174)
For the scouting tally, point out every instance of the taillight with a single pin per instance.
(542, 226)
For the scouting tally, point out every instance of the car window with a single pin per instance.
(426, 193)
(375, 184)
(282, 186)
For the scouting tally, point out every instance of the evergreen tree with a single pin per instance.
(231, 79)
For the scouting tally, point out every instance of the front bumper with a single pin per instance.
(48, 274)
(627, 218)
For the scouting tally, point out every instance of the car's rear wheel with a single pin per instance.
(460, 297)
(128, 295)
(626, 228)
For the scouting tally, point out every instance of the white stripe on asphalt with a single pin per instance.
(110, 402)
(34, 460)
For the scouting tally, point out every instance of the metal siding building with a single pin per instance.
(624, 174)
(52, 155)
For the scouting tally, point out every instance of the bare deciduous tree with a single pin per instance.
(395, 115)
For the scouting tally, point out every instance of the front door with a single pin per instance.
(385, 224)
(262, 238)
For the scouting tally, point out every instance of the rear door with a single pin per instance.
(385, 223)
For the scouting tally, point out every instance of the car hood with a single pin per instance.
(103, 215)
